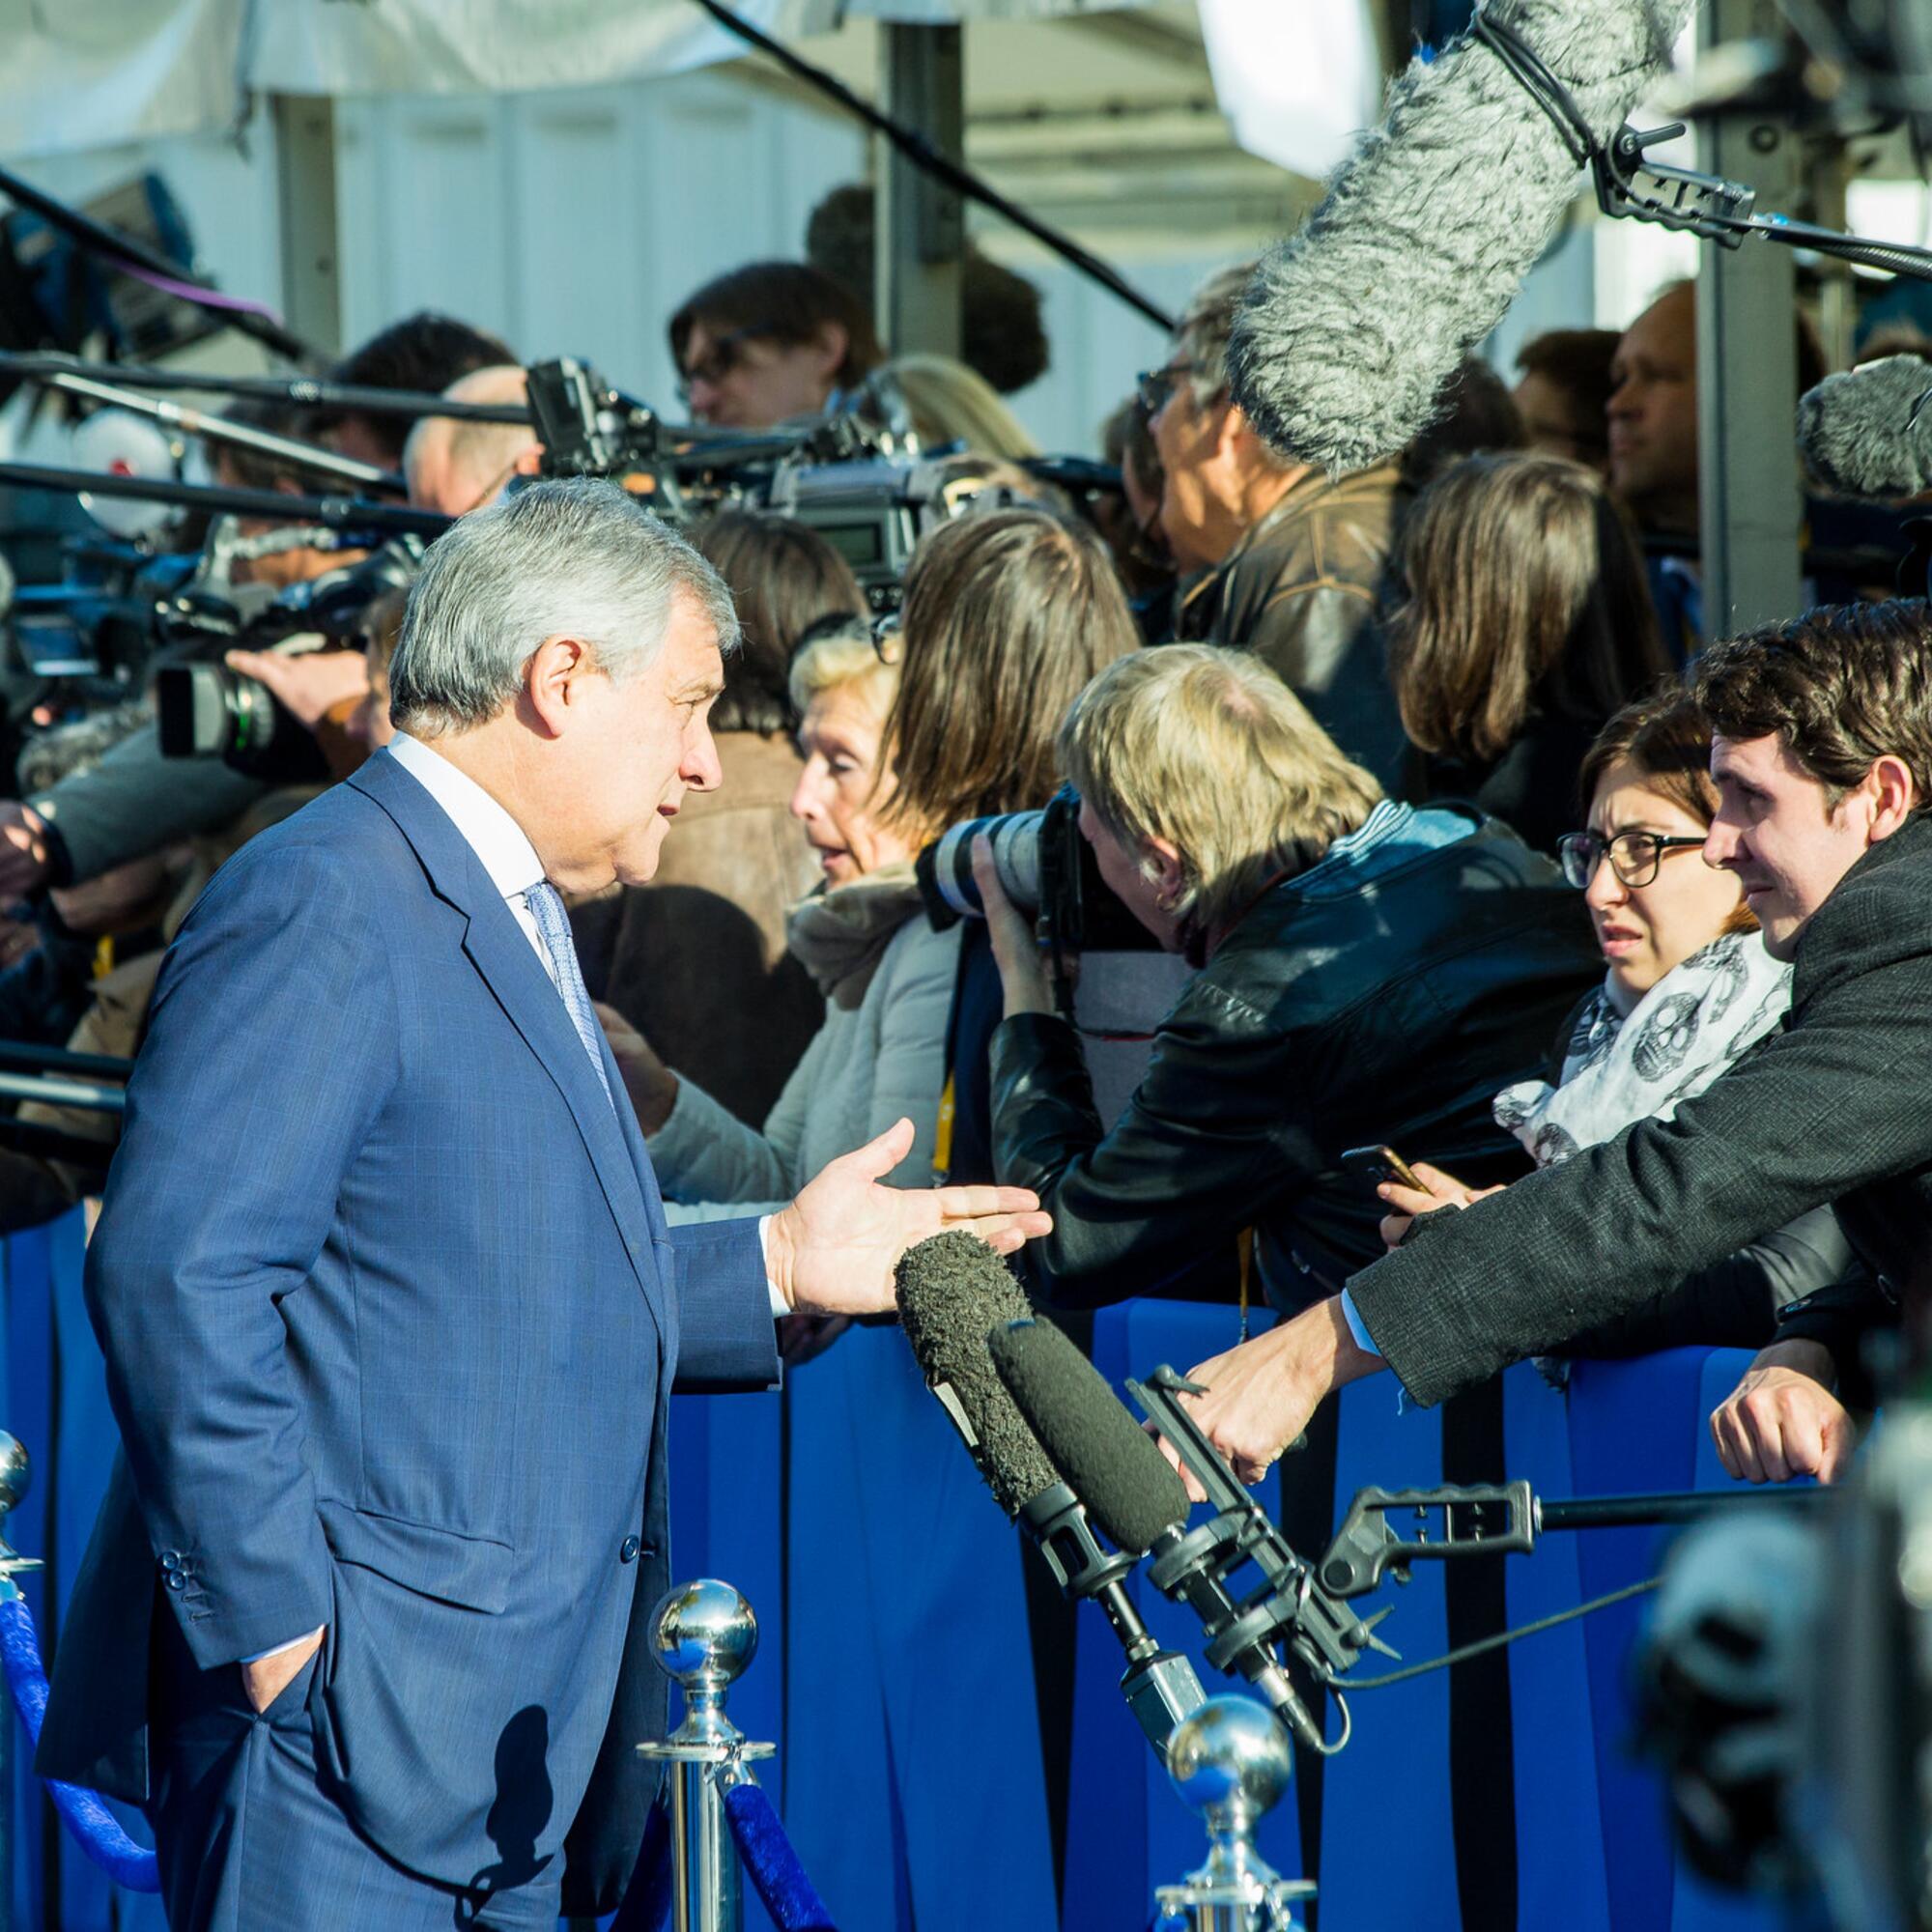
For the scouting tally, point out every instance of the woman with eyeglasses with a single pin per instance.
(913, 1731)
(1688, 990)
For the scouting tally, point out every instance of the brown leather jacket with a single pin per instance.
(696, 959)
(1305, 590)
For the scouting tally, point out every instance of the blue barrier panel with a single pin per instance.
(1632, 1431)
(1126, 1830)
(84, 1457)
(30, 1416)
(912, 1736)
(1560, 1873)
(1388, 1854)
(1697, 1905)
(727, 1521)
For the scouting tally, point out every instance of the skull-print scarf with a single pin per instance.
(1696, 1021)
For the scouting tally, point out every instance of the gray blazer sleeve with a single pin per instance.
(135, 801)
(1734, 1303)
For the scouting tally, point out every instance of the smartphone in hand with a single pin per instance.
(1376, 1164)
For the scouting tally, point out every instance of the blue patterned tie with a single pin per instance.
(547, 909)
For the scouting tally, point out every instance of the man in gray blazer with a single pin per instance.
(1822, 754)
(388, 1302)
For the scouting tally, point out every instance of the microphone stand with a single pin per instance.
(238, 436)
(1706, 206)
(302, 391)
(338, 513)
(1160, 1685)
(1305, 1605)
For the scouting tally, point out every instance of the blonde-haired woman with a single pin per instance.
(1369, 973)
(950, 403)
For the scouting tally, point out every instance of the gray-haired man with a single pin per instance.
(390, 1305)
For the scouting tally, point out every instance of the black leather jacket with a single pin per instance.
(1305, 590)
(1382, 1000)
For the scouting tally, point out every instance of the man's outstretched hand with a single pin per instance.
(833, 1249)
(1260, 1394)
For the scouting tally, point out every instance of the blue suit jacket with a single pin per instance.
(391, 1314)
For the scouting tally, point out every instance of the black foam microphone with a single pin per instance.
(1110, 1462)
(1351, 327)
(1094, 1438)
(1867, 433)
(954, 1291)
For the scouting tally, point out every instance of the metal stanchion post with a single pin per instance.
(13, 1477)
(704, 1634)
(1230, 1761)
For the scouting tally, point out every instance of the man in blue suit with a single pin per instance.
(389, 1304)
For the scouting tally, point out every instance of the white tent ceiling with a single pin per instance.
(89, 74)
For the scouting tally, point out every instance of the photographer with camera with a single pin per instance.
(1369, 973)
(139, 800)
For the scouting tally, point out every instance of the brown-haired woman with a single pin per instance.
(1528, 623)
(1007, 615)
(1687, 991)
(785, 580)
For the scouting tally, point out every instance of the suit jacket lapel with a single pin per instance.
(501, 951)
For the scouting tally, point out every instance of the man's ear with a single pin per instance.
(1240, 440)
(1163, 857)
(1894, 795)
(829, 343)
(529, 462)
(553, 680)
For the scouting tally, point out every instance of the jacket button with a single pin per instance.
(175, 1580)
(171, 1560)
(629, 1552)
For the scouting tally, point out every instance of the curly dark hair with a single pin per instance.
(1843, 685)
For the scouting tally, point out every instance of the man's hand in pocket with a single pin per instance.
(268, 1677)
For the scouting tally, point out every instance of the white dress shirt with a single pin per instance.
(499, 842)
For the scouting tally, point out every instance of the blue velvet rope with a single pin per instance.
(646, 1906)
(89, 1821)
(789, 1895)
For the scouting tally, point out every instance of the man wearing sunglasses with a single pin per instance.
(1821, 758)
(1275, 557)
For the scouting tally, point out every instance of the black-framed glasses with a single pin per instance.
(1155, 386)
(889, 638)
(1633, 856)
(723, 356)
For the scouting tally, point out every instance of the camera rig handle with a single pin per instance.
(1489, 1520)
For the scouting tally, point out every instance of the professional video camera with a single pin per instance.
(1047, 870)
(207, 710)
(856, 474)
